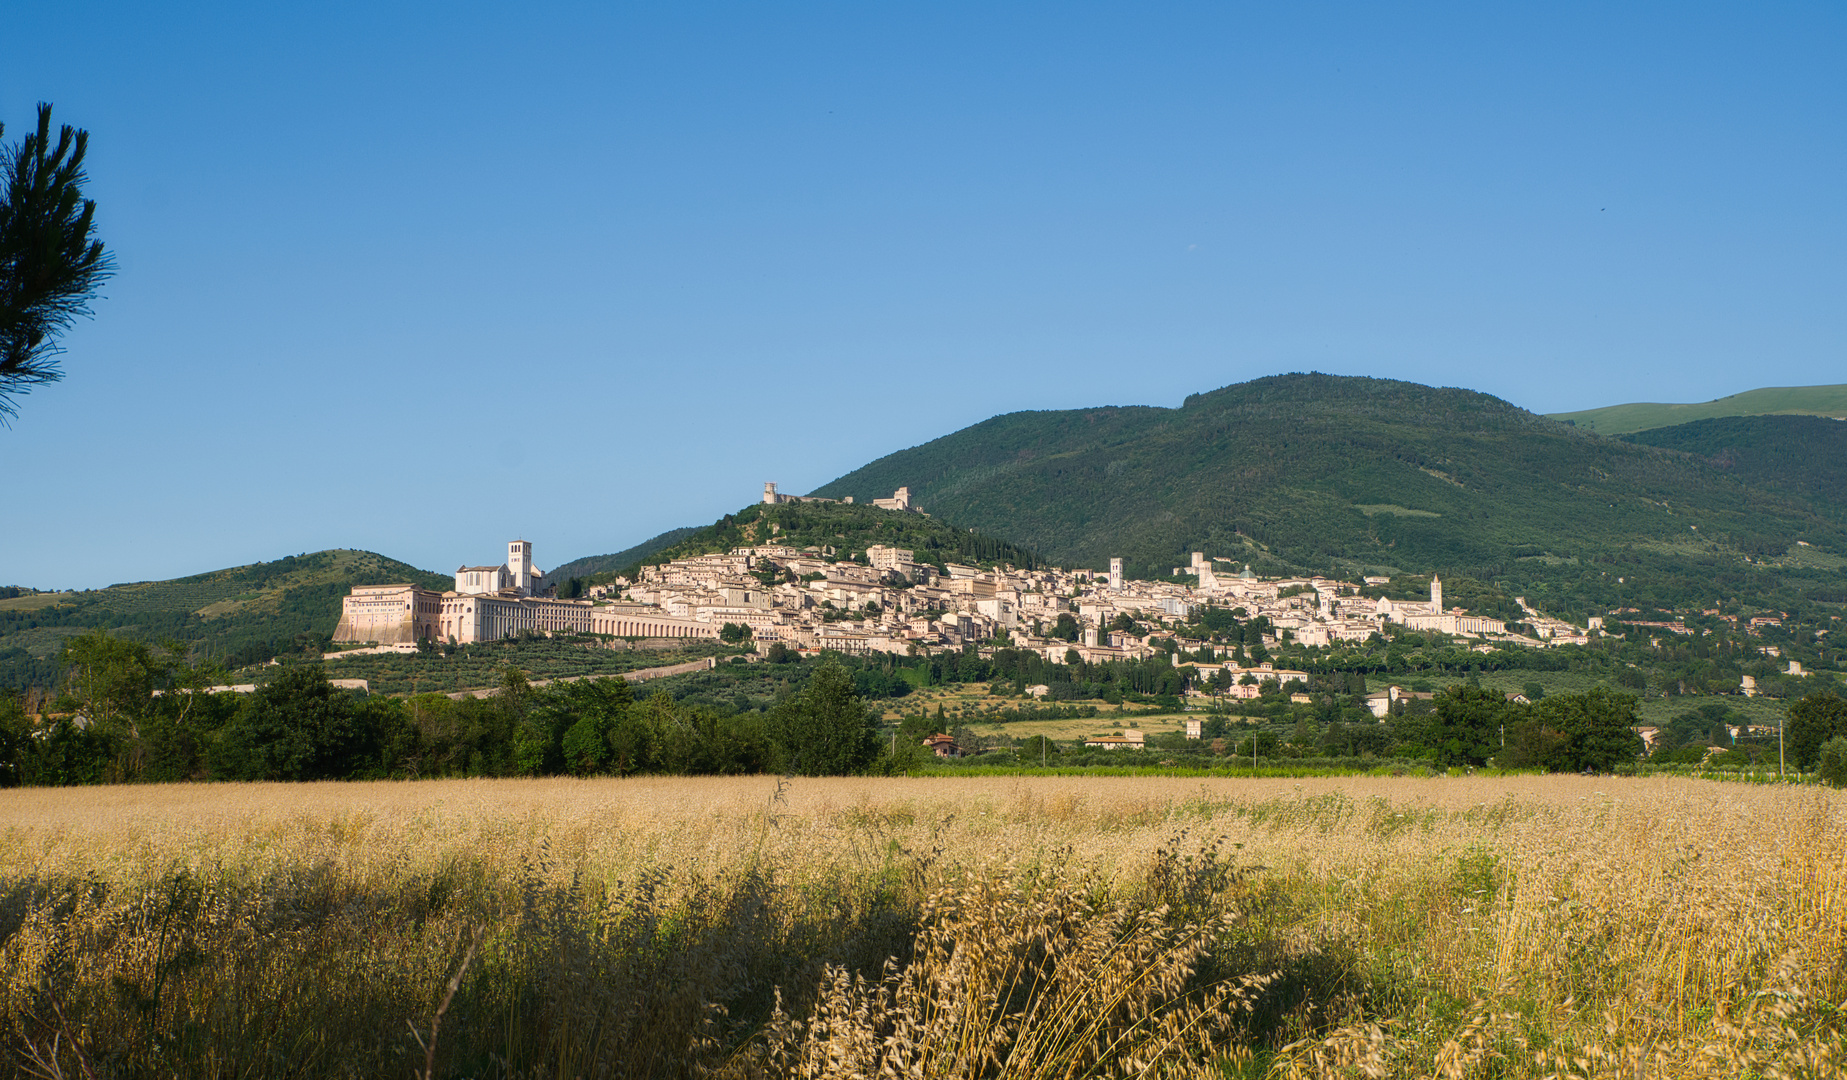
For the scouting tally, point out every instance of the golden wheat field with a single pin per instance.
(1005, 927)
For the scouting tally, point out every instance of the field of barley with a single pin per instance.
(979, 927)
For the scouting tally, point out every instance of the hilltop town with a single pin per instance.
(888, 599)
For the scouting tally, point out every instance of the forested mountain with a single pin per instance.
(242, 615)
(1829, 401)
(1356, 475)
(1801, 456)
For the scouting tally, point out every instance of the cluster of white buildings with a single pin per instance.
(809, 599)
(812, 600)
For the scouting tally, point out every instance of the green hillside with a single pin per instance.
(848, 530)
(1801, 456)
(1830, 401)
(1354, 475)
(242, 615)
(603, 564)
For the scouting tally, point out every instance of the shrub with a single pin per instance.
(1814, 720)
(1831, 762)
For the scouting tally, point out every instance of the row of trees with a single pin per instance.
(1471, 726)
(1463, 725)
(130, 712)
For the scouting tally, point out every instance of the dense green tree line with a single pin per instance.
(127, 711)
(1568, 733)
(131, 712)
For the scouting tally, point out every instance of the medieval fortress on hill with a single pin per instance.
(891, 603)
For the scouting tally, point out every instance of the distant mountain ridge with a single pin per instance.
(1830, 401)
(1322, 472)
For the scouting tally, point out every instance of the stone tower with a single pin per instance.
(1436, 595)
(1115, 575)
(519, 561)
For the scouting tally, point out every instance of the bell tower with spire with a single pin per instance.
(1436, 595)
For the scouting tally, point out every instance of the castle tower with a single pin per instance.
(1115, 575)
(519, 561)
(1436, 595)
(769, 494)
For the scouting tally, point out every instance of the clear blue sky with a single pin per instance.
(423, 278)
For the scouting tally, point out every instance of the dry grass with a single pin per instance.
(955, 927)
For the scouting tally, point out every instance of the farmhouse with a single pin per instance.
(943, 746)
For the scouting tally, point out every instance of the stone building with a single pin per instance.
(516, 574)
(883, 557)
(772, 497)
(389, 614)
(490, 603)
(468, 619)
(900, 500)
